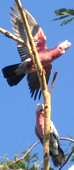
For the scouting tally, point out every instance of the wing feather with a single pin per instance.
(20, 32)
(33, 82)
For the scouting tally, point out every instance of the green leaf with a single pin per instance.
(35, 167)
(66, 21)
(27, 158)
(62, 17)
(35, 157)
(21, 164)
(3, 166)
(62, 11)
(70, 11)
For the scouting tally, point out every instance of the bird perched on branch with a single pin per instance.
(15, 73)
(56, 152)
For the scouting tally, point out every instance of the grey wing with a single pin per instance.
(20, 32)
(54, 131)
(54, 139)
(18, 26)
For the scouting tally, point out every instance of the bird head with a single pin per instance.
(62, 47)
(40, 107)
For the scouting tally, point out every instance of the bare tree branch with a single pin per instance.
(67, 139)
(20, 159)
(43, 84)
(18, 40)
(53, 80)
(12, 36)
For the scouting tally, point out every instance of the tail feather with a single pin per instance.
(14, 80)
(9, 70)
(59, 159)
(9, 73)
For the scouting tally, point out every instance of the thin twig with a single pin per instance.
(12, 36)
(67, 139)
(18, 40)
(53, 80)
(20, 159)
(66, 160)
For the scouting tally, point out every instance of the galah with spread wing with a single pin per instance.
(15, 73)
(56, 152)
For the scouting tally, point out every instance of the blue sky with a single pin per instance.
(17, 109)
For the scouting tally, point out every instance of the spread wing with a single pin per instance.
(33, 82)
(19, 31)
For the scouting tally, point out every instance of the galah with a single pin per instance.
(15, 73)
(56, 152)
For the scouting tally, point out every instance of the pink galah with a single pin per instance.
(15, 73)
(56, 152)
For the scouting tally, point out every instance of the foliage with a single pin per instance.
(28, 163)
(65, 13)
(72, 157)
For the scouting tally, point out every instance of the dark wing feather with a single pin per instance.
(10, 74)
(33, 83)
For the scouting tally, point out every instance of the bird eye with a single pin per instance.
(60, 48)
